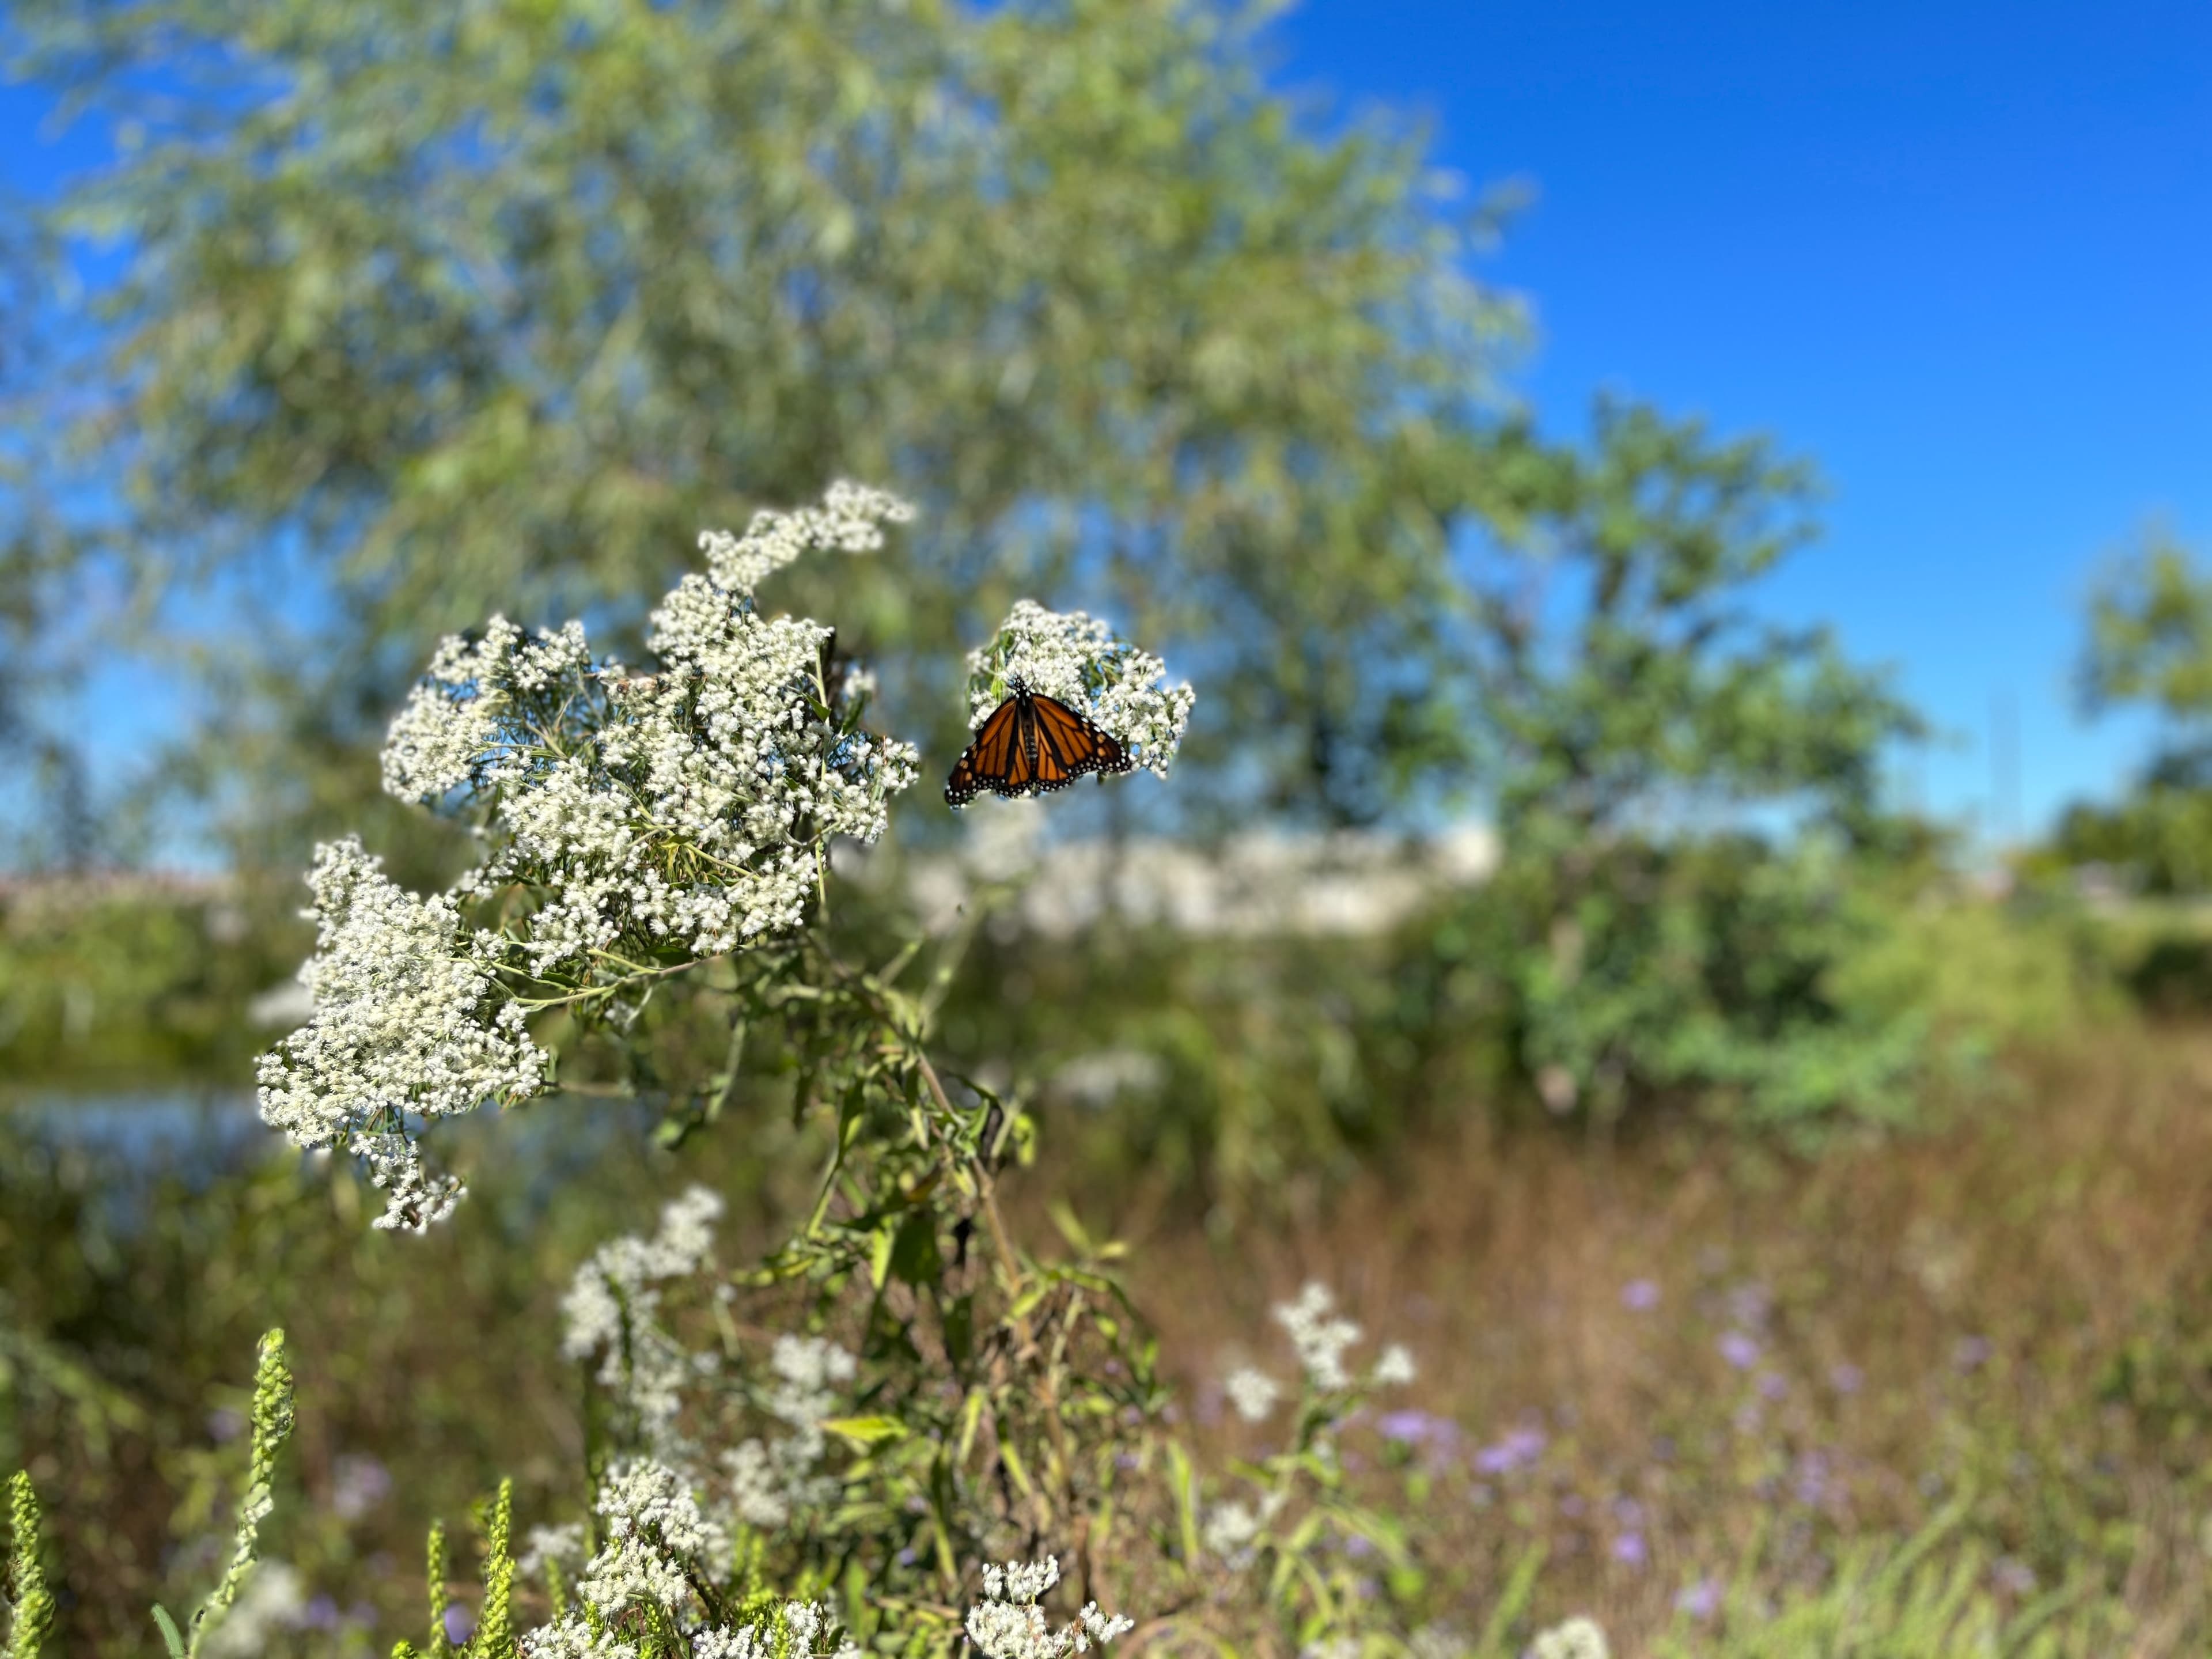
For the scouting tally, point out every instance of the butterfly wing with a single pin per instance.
(1021, 775)
(1029, 746)
(1071, 745)
(987, 761)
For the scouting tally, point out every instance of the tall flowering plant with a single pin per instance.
(935, 1398)
(898, 1431)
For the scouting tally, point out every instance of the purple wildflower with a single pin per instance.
(1630, 1549)
(460, 1624)
(360, 1484)
(1739, 1349)
(1640, 1295)
(1813, 1479)
(1846, 1379)
(1749, 1303)
(1773, 1385)
(2012, 1575)
(1414, 1427)
(1517, 1451)
(1701, 1601)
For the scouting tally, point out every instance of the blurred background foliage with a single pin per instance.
(422, 312)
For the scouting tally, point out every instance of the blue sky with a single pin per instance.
(1959, 254)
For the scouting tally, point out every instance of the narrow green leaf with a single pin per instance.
(169, 1633)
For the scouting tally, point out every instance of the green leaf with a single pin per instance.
(915, 1258)
(865, 1431)
(169, 1634)
(960, 1331)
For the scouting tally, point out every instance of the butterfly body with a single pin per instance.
(1031, 745)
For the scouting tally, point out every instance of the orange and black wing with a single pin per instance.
(1020, 776)
(988, 761)
(1070, 745)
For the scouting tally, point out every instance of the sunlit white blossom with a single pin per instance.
(1393, 1367)
(1075, 658)
(633, 824)
(561, 1547)
(849, 521)
(1252, 1392)
(452, 727)
(654, 1527)
(271, 1603)
(1319, 1334)
(1577, 1639)
(772, 1479)
(1009, 1624)
(573, 1637)
(1228, 1531)
(408, 1023)
(608, 1311)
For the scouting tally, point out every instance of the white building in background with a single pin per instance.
(1262, 884)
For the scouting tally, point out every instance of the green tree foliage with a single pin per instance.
(1652, 940)
(2151, 644)
(440, 313)
(425, 315)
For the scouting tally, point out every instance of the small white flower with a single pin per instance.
(1228, 1531)
(1393, 1367)
(627, 818)
(409, 1021)
(1252, 1392)
(1009, 1624)
(849, 521)
(1577, 1639)
(561, 1547)
(1319, 1335)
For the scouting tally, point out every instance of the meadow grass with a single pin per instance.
(1924, 1395)
(1934, 1394)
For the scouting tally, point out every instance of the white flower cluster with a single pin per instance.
(1231, 1527)
(1577, 1639)
(608, 1309)
(797, 1632)
(453, 727)
(271, 1603)
(1321, 1336)
(658, 1540)
(660, 1544)
(1252, 1392)
(561, 1547)
(769, 1481)
(1009, 1624)
(691, 806)
(654, 1529)
(849, 521)
(1075, 658)
(643, 818)
(408, 1023)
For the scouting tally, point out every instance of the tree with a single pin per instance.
(424, 312)
(2150, 644)
(1677, 786)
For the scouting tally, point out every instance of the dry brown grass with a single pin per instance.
(2064, 1226)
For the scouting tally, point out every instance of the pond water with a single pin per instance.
(148, 1125)
(133, 1144)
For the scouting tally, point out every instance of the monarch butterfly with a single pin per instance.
(1030, 745)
